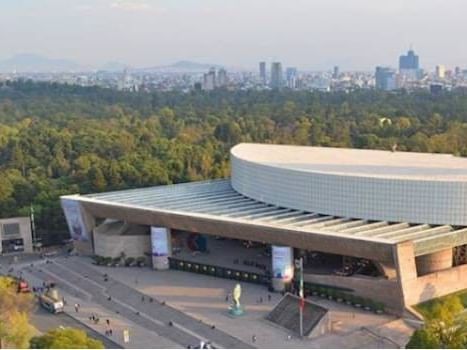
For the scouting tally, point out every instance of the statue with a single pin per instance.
(236, 309)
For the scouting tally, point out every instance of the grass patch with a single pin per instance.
(426, 307)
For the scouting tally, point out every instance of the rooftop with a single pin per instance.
(218, 200)
(357, 162)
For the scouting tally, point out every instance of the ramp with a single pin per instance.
(286, 314)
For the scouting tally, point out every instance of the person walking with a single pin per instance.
(108, 322)
(76, 307)
(253, 338)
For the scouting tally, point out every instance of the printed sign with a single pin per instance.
(74, 219)
(282, 263)
(159, 241)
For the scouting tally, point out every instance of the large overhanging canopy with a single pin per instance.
(217, 199)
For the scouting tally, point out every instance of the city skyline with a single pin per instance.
(315, 35)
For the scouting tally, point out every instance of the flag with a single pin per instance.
(302, 303)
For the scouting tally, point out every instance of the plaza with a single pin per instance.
(193, 304)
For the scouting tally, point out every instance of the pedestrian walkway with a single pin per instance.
(139, 337)
(83, 281)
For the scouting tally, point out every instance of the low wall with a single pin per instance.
(435, 285)
(113, 245)
(377, 289)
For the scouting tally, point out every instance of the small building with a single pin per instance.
(16, 235)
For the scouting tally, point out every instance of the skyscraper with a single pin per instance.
(440, 71)
(291, 77)
(409, 61)
(262, 72)
(209, 80)
(276, 75)
(222, 79)
(409, 68)
(335, 72)
(385, 78)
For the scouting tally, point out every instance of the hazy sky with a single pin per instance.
(311, 34)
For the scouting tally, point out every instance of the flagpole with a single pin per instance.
(302, 303)
(33, 228)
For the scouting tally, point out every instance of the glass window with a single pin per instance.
(11, 229)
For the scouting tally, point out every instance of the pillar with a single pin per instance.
(161, 247)
(282, 267)
(433, 262)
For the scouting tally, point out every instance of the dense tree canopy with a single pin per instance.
(59, 139)
(65, 338)
(15, 329)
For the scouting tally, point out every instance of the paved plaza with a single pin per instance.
(176, 309)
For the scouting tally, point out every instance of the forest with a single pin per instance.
(62, 139)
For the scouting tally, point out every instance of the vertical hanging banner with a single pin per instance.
(282, 263)
(159, 241)
(74, 219)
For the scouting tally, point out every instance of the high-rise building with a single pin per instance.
(335, 72)
(385, 78)
(409, 61)
(440, 71)
(262, 72)
(409, 67)
(209, 80)
(291, 77)
(277, 78)
(222, 78)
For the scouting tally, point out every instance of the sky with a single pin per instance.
(309, 34)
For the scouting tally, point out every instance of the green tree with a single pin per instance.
(15, 330)
(444, 327)
(65, 338)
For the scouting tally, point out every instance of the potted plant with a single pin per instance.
(141, 261)
(339, 297)
(349, 298)
(116, 261)
(379, 308)
(322, 292)
(108, 261)
(331, 293)
(358, 302)
(368, 304)
(129, 261)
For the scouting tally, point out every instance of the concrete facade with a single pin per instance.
(18, 228)
(114, 245)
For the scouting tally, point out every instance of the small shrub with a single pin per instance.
(129, 261)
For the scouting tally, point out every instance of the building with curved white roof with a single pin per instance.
(404, 212)
(365, 184)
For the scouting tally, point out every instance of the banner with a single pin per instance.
(160, 241)
(74, 219)
(282, 263)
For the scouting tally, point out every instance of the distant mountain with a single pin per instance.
(114, 66)
(182, 66)
(32, 63)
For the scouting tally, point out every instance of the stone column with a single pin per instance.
(161, 247)
(282, 267)
(434, 262)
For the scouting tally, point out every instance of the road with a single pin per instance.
(45, 321)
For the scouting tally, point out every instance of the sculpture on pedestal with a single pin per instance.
(236, 309)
